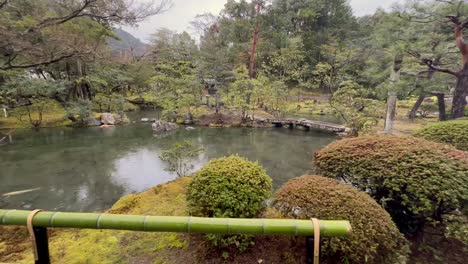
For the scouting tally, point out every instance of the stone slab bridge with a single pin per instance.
(307, 124)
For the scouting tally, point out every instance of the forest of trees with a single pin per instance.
(256, 52)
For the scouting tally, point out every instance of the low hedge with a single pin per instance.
(229, 187)
(374, 238)
(417, 181)
(453, 132)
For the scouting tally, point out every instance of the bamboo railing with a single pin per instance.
(186, 224)
(40, 221)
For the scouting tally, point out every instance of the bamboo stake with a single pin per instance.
(185, 224)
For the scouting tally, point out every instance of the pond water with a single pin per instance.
(89, 169)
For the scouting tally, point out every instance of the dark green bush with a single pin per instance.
(229, 187)
(453, 132)
(417, 181)
(374, 238)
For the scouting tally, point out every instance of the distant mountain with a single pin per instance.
(127, 44)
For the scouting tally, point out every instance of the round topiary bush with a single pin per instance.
(417, 181)
(374, 239)
(453, 132)
(229, 187)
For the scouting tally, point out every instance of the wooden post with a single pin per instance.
(309, 250)
(42, 245)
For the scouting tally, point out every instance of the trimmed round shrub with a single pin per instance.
(374, 238)
(229, 187)
(415, 180)
(453, 132)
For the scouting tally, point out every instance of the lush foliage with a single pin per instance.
(175, 82)
(179, 155)
(57, 50)
(311, 46)
(229, 187)
(417, 181)
(358, 112)
(79, 110)
(454, 133)
(374, 239)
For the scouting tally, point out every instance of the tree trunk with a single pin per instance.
(441, 104)
(392, 98)
(253, 51)
(254, 42)
(430, 74)
(391, 112)
(461, 90)
(412, 113)
(460, 93)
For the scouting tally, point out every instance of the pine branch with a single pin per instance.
(430, 64)
(42, 63)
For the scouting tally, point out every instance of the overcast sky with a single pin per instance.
(183, 11)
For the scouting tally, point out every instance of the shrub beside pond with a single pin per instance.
(453, 132)
(374, 239)
(229, 187)
(417, 181)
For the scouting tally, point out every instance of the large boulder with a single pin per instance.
(161, 126)
(107, 119)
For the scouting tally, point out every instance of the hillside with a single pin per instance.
(127, 43)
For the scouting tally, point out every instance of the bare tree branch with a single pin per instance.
(429, 64)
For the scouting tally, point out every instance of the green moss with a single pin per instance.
(145, 98)
(53, 116)
(310, 107)
(128, 107)
(201, 111)
(110, 246)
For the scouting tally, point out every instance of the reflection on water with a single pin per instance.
(89, 169)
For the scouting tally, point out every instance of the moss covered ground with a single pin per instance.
(402, 125)
(109, 246)
(53, 116)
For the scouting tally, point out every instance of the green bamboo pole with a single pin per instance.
(187, 224)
